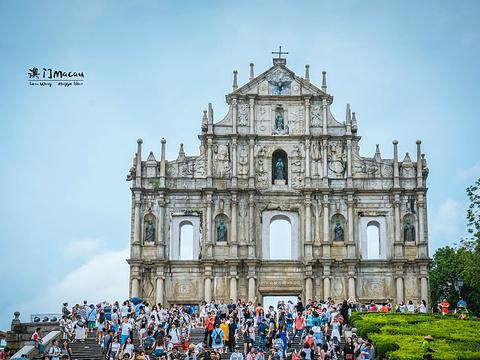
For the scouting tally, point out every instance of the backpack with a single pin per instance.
(148, 342)
(218, 338)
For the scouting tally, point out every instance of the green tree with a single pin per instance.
(445, 270)
(463, 261)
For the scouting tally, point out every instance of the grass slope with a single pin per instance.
(400, 336)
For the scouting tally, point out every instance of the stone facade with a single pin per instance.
(333, 198)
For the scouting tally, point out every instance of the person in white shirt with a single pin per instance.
(126, 328)
(422, 307)
(55, 352)
(175, 335)
(128, 347)
(410, 306)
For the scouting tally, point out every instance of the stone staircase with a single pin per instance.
(91, 350)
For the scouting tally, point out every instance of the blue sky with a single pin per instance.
(408, 68)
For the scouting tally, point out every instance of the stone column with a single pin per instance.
(396, 179)
(307, 116)
(422, 243)
(326, 227)
(208, 289)
(251, 288)
(421, 225)
(233, 288)
(400, 295)
(162, 163)
(325, 116)
(138, 165)
(424, 288)
(308, 288)
(135, 287)
(308, 227)
(208, 225)
(308, 218)
(317, 242)
(137, 220)
(326, 287)
(234, 115)
(349, 164)
(161, 216)
(160, 290)
(419, 166)
(251, 160)
(307, 163)
(398, 247)
(233, 227)
(351, 249)
(351, 285)
(234, 157)
(325, 162)
(209, 159)
(251, 229)
(252, 115)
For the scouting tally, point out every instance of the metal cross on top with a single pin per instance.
(279, 52)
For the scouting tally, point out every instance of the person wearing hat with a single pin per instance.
(237, 355)
(427, 347)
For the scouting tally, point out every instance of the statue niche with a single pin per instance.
(338, 227)
(408, 229)
(279, 128)
(279, 168)
(221, 227)
(149, 228)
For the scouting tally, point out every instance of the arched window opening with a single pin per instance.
(186, 241)
(279, 167)
(373, 240)
(280, 239)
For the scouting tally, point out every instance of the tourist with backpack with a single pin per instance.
(217, 339)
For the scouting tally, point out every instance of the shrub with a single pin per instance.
(400, 336)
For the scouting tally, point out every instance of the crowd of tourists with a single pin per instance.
(245, 330)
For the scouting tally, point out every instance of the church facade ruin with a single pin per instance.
(203, 227)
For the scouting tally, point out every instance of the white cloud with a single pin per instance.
(82, 247)
(103, 277)
(471, 172)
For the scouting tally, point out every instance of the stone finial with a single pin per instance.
(324, 81)
(204, 121)
(419, 165)
(181, 153)
(378, 156)
(15, 320)
(252, 73)
(354, 122)
(307, 72)
(210, 118)
(396, 183)
(151, 158)
(407, 159)
(235, 82)
(348, 115)
(162, 159)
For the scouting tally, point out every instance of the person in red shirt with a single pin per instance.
(443, 307)
(209, 326)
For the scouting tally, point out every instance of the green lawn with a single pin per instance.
(400, 336)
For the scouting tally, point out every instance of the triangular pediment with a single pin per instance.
(278, 80)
